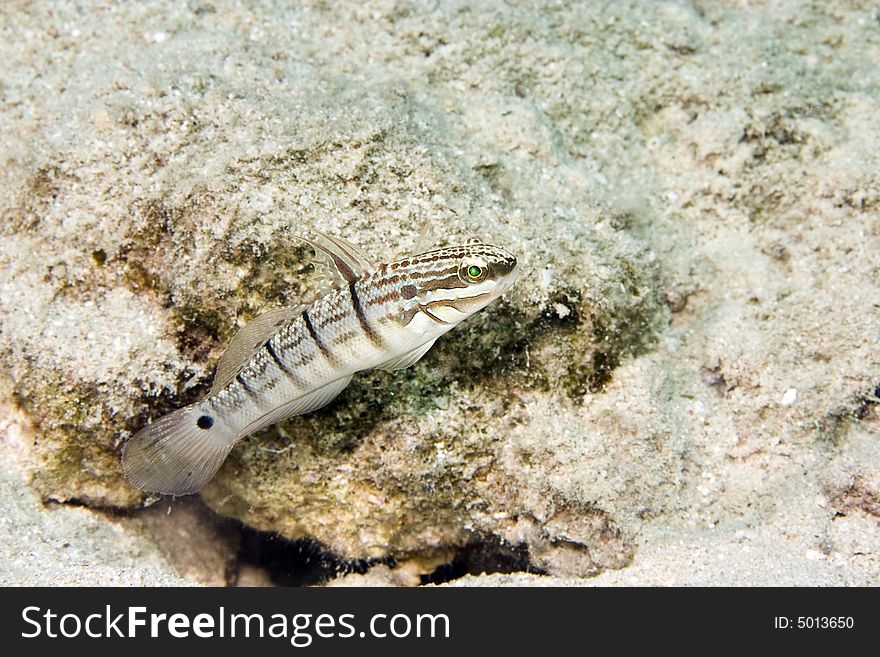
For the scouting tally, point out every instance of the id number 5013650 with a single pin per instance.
(813, 622)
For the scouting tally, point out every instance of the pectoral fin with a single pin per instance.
(408, 359)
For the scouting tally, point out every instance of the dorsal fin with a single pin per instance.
(427, 238)
(248, 341)
(347, 262)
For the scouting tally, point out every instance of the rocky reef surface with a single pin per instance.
(681, 388)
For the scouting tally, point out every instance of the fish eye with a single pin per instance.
(473, 272)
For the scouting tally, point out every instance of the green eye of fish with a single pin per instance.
(474, 272)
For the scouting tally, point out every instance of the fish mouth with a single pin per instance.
(509, 272)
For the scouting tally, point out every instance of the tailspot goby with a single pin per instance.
(294, 360)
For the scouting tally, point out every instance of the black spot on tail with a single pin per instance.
(205, 422)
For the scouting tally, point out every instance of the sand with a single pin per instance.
(682, 388)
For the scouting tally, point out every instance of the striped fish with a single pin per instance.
(294, 360)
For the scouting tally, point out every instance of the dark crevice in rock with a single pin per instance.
(487, 556)
(296, 563)
(284, 562)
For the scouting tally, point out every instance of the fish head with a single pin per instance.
(448, 285)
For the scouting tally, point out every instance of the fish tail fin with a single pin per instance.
(178, 453)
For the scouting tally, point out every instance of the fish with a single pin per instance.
(293, 360)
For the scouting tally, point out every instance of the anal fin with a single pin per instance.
(305, 404)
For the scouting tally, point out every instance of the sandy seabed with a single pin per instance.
(682, 388)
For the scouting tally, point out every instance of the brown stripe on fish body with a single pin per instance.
(449, 283)
(458, 302)
(291, 343)
(346, 337)
(256, 377)
(345, 316)
(310, 327)
(244, 384)
(227, 400)
(387, 283)
(432, 270)
(370, 331)
(379, 288)
(335, 322)
(285, 369)
(274, 356)
(380, 297)
(392, 295)
(441, 263)
(328, 311)
(433, 273)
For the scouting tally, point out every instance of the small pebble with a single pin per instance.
(814, 555)
(562, 310)
(675, 299)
